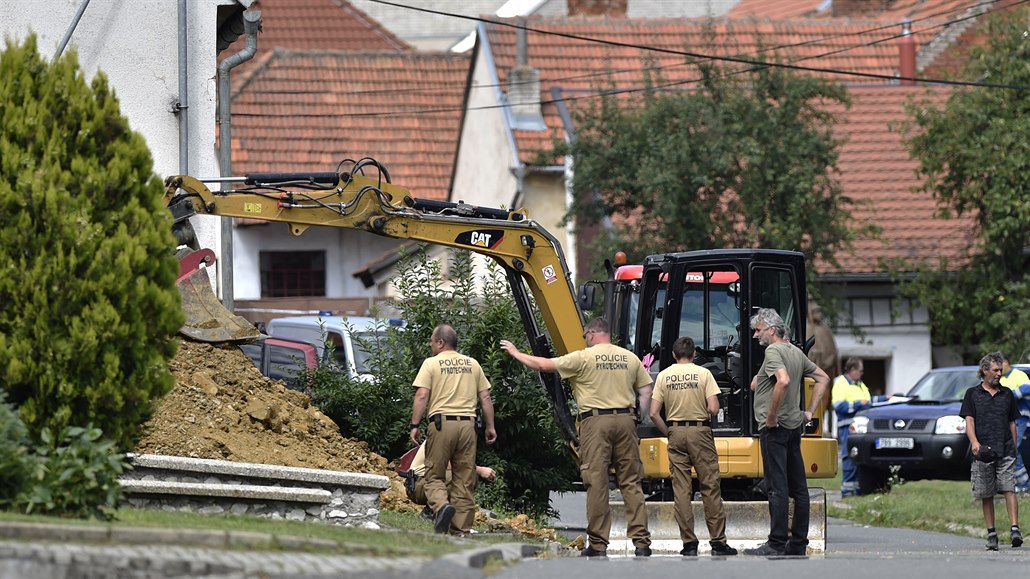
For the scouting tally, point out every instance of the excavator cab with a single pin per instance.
(711, 296)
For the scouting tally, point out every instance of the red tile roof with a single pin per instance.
(317, 25)
(777, 9)
(307, 111)
(877, 171)
(875, 165)
(912, 9)
(571, 63)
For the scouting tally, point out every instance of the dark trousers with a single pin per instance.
(785, 479)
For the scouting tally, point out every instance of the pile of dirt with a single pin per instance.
(223, 408)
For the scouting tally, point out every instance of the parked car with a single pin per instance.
(921, 432)
(342, 332)
(283, 359)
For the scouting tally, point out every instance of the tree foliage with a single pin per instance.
(975, 158)
(530, 455)
(88, 286)
(745, 160)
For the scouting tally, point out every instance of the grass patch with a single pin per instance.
(931, 505)
(401, 533)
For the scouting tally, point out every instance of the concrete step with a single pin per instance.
(747, 525)
(250, 492)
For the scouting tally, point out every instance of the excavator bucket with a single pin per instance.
(207, 320)
(747, 525)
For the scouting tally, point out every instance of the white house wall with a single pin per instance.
(136, 45)
(346, 250)
(905, 350)
(483, 173)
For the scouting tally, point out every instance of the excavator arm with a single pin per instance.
(529, 255)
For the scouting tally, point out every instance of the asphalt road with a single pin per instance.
(852, 551)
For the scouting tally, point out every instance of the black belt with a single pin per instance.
(450, 417)
(599, 411)
(707, 423)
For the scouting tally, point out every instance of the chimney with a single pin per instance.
(524, 86)
(853, 8)
(907, 53)
(609, 8)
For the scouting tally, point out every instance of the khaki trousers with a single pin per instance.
(454, 443)
(694, 446)
(605, 441)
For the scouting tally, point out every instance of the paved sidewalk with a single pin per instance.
(49, 551)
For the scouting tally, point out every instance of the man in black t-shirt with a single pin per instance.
(990, 413)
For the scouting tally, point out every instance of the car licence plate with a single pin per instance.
(908, 443)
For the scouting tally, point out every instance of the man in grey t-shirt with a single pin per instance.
(781, 422)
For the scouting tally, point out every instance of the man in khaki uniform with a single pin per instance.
(417, 471)
(448, 383)
(604, 379)
(691, 398)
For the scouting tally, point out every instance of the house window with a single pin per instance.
(292, 274)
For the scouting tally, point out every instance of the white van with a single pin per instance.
(319, 329)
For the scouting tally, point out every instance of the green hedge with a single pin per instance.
(90, 308)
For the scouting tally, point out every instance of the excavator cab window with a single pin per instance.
(775, 288)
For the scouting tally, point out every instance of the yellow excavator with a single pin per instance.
(708, 295)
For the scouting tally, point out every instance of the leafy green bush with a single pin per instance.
(76, 475)
(15, 461)
(530, 455)
(90, 308)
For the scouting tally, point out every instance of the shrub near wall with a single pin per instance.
(90, 308)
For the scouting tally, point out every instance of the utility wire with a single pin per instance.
(755, 65)
(777, 48)
(733, 59)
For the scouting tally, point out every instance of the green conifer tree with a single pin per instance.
(89, 306)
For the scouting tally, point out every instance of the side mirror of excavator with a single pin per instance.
(587, 296)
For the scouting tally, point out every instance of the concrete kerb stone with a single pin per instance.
(508, 552)
(55, 532)
(74, 545)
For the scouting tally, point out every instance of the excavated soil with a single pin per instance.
(223, 408)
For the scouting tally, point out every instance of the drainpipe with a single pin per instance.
(251, 26)
(183, 106)
(907, 53)
(71, 29)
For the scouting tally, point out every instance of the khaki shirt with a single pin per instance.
(418, 462)
(454, 382)
(684, 390)
(603, 376)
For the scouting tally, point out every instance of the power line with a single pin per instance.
(737, 60)
(769, 49)
(754, 65)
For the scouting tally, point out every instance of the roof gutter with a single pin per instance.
(251, 26)
(182, 107)
(71, 29)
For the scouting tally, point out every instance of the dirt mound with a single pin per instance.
(223, 408)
